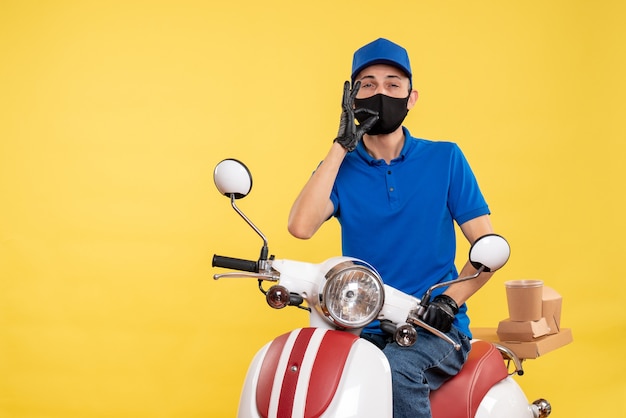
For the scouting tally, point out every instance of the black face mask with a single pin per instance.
(391, 112)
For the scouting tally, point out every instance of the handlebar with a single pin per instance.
(235, 263)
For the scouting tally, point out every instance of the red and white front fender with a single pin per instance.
(312, 372)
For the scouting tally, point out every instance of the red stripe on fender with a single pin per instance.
(267, 373)
(290, 381)
(327, 371)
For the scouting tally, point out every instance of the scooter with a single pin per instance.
(326, 369)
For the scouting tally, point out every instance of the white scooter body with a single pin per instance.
(506, 399)
(289, 384)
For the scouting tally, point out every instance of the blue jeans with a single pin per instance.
(417, 370)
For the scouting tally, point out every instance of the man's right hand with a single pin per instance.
(349, 133)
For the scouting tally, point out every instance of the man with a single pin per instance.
(397, 198)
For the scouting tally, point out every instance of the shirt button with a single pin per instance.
(391, 189)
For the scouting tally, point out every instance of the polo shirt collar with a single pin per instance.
(362, 151)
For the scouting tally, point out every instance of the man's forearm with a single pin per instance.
(313, 206)
(472, 229)
(461, 292)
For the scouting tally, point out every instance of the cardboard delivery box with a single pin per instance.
(549, 324)
(551, 308)
(528, 349)
(531, 339)
(522, 331)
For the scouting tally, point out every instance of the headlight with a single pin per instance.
(352, 295)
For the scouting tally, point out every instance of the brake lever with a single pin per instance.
(261, 276)
(414, 320)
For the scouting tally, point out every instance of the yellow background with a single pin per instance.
(114, 113)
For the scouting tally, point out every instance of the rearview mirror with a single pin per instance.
(490, 252)
(232, 178)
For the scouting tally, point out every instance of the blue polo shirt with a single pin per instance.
(400, 217)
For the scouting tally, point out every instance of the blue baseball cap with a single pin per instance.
(381, 51)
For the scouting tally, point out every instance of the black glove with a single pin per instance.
(349, 133)
(440, 313)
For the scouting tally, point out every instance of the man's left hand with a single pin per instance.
(440, 313)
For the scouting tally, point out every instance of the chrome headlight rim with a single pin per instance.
(337, 272)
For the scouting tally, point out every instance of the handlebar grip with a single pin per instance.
(235, 263)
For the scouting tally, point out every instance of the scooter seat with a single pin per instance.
(460, 396)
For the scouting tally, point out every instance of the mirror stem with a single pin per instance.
(265, 249)
(426, 299)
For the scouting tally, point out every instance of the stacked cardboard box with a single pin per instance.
(549, 323)
(529, 349)
(530, 339)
